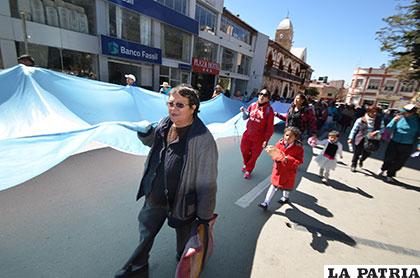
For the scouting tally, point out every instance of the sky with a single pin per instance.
(339, 34)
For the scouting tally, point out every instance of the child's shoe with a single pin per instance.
(263, 205)
(324, 180)
(247, 175)
(243, 169)
(283, 200)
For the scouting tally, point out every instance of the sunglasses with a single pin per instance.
(264, 95)
(178, 105)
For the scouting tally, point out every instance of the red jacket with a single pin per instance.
(260, 125)
(284, 172)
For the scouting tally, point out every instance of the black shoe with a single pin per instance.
(263, 205)
(283, 200)
(353, 169)
(361, 164)
(132, 271)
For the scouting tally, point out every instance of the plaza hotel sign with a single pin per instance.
(205, 66)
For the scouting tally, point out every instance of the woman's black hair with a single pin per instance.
(305, 100)
(187, 91)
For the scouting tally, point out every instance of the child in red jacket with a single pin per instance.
(287, 156)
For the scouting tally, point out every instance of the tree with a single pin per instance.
(401, 39)
(311, 91)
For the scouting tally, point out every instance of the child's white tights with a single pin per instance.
(271, 191)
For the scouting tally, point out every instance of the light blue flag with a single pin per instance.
(46, 116)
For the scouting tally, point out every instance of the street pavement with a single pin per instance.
(79, 219)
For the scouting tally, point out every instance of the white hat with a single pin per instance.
(130, 76)
(409, 107)
(165, 84)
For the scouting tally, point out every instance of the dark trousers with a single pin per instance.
(151, 219)
(359, 151)
(396, 155)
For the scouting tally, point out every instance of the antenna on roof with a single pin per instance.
(287, 14)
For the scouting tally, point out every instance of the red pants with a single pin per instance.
(251, 150)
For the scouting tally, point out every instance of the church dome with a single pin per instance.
(285, 24)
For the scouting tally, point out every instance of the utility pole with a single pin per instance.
(25, 32)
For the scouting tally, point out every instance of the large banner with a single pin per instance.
(46, 116)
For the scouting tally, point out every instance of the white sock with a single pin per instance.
(270, 193)
(286, 194)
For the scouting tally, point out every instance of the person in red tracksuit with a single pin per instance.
(258, 131)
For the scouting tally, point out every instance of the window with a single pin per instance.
(180, 6)
(170, 75)
(243, 63)
(206, 19)
(406, 87)
(75, 15)
(205, 49)
(176, 44)
(359, 83)
(389, 85)
(236, 31)
(72, 62)
(129, 25)
(374, 84)
(228, 59)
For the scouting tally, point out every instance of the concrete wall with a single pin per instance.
(258, 62)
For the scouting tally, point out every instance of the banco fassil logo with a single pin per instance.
(113, 48)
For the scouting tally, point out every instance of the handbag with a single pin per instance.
(371, 145)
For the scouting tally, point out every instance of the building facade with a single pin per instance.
(380, 86)
(329, 91)
(286, 72)
(177, 41)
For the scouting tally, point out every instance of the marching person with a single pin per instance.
(179, 180)
(165, 88)
(259, 129)
(300, 115)
(130, 79)
(364, 128)
(287, 155)
(218, 90)
(327, 159)
(405, 131)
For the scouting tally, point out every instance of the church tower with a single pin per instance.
(284, 33)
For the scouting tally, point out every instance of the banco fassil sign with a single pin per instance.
(129, 50)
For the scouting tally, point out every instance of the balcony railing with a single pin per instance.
(282, 74)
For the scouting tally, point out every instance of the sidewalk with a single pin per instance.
(357, 218)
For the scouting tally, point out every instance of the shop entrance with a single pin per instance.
(204, 83)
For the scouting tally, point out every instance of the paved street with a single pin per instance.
(79, 219)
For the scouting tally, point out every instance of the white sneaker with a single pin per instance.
(380, 172)
(324, 180)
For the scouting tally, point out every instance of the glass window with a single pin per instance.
(205, 49)
(79, 63)
(176, 44)
(180, 6)
(228, 59)
(240, 85)
(170, 75)
(129, 25)
(75, 15)
(359, 83)
(236, 31)
(374, 84)
(206, 19)
(243, 63)
(407, 87)
(389, 85)
(73, 62)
